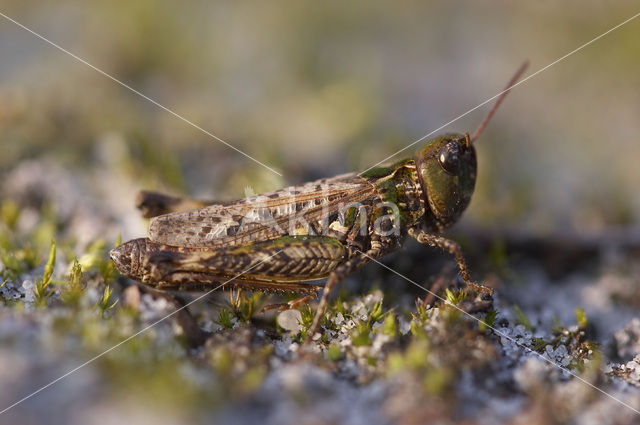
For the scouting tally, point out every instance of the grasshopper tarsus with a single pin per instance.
(453, 248)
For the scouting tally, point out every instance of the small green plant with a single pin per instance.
(581, 318)
(335, 308)
(422, 312)
(361, 335)
(417, 330)
(11, 266)
(29, 257)
(107, 268)
(225, 318)
(42, 288)
(105, 303)
(244, 305)
(9, 214)
(539, 344)
(333, 353)
(17, 260)
(47, 227)
(376, 314)
(1, 297)
(521, 318)
(419, 319)
(72, 291)
(94, 255)
(389, 327)
(488, 321)
(438, 380)
(456, 297)
(306, 319)
(96, 260)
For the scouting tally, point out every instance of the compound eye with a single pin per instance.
(449, 157)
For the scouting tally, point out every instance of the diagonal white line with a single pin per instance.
(133, 336)
(577, 49)
(502, 334)
(175, 114)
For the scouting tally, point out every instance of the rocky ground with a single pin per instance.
(558, 344)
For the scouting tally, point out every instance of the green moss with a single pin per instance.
(9, 214)
(538, 344)
(91, 259)
(225, 318)
(13, 267)
(333, 353)
(361, 334)
(106, 303)
(252, 378)
(417, 330)
(455, 297)
(521, 318)
(389, 327)
(1, 297)
(581, 318)
(488, 321)
(47, 228)
(222, 360)
(417, 355)
(376, 313)
(245, 304)
(438, 380)
(395, 363)
(95, 260)
(71, 292)
(29, 257)
(306, 319)
(42, 289)
(421, 314)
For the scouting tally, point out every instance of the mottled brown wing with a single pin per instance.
(259, 218)
(284, 259)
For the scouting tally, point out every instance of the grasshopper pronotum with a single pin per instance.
(320, 230)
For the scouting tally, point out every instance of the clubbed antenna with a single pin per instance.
(504, 94)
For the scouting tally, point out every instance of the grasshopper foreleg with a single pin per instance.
(452, 248)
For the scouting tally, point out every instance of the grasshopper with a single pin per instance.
(295, 239)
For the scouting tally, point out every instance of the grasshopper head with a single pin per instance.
(447, 171)
(127, 257)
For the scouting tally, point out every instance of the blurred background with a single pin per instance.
(311, 90)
